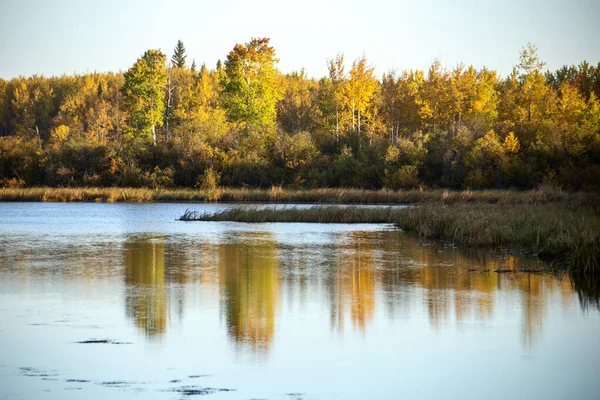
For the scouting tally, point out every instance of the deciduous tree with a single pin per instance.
(143, 93)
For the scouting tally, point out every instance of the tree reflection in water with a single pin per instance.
(249, 282)
(353, 273)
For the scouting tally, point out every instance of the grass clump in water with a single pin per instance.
(566, 235)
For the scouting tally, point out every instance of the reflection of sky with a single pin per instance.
(351, 311)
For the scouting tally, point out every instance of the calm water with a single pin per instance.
(123, 301)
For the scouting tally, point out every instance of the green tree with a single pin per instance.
(248, 90)
(179, 56)
(295, 109)
(143, 93)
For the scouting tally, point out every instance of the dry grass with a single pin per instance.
(554, 232)
(320, 196)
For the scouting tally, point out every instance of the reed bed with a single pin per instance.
(311, 196)
(566, 235)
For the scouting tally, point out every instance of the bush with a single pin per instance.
(406, 177)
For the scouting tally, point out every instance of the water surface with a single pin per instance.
(123, 301)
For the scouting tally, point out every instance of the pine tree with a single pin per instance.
(179, 56)
(193, 67)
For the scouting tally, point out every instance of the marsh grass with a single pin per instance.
(558, 233)
(319, 214)
(276, 194)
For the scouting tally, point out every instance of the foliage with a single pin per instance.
(179, 56)
(143, 93)
(252, 126)
(248, 90)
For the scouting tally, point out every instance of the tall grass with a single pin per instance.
(279, 195)
(554, 232)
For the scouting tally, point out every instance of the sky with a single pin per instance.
(56, 37)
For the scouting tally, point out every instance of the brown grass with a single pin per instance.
(319, 196)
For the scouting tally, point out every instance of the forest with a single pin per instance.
(167, 123)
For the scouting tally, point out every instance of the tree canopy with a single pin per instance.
(143, 93)
(248, 90)
(179, 55)
(244, 123)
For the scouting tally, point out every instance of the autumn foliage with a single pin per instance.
(244, 123)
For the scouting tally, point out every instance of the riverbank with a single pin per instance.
(310, 196)
(561, 233)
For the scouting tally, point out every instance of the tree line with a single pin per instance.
(244, 123)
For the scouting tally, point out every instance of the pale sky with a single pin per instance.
(56, 37)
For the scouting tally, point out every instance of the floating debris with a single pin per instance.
(198, 390)
(117, 384)
(102, 341)
(34, 372)
(296, 396)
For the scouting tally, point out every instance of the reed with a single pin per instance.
(565, 235)
(277, 194)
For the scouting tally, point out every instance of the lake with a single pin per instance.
(123, 301)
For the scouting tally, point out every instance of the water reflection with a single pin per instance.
(352, 284)
(146, 293)
(249, 283)
(587, 287)
(254, 278)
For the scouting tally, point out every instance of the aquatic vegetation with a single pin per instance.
(557, 233)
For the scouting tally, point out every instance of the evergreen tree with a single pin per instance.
(179, 56)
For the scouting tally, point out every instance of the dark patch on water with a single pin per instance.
(197, 390)
(515, 271)
(198, 376)
(73, 388)
(175, 381)
(86, 326)
(102, 341)
(117, 384)
(296, 396)
(34, 372)
(77, 380)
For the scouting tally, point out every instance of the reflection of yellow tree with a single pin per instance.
(532, 286)
(451, 291)
(248, 271)
(146, 298)
(354, 282)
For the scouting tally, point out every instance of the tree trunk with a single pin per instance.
(154, 134)
(353, 121)
(337, 124)
(168, 109)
